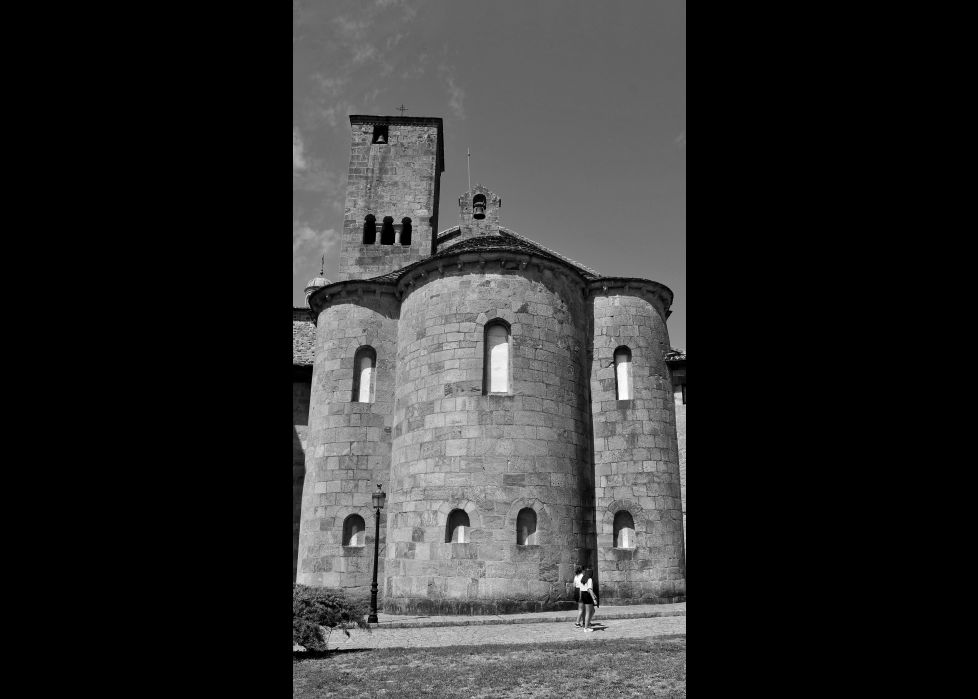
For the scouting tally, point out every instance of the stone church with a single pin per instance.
(517, 407)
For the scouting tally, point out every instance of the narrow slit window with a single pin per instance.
(457, 529)
(526, 527)
(364, 375)
(623, 373)
(354, 531)
(624, 531)
(497, 358)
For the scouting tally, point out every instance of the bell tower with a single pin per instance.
(392, 194)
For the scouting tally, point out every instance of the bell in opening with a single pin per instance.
(479, 207)
(380, 135)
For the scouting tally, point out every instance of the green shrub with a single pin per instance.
(315, 609)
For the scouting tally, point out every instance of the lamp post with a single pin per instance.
(379, 498)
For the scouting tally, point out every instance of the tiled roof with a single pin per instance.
(588, 271)
(303, 337)
(507, 241)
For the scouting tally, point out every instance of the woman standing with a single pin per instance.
(589, 598)
(578, 574)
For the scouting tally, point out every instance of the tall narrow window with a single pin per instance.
(624, 531)
(406, 232)
(497, 358)
(364, 375)
(623, 373)
(370, 230)
(354, 531)
(457, 529)
(526, 527)
(387, 233)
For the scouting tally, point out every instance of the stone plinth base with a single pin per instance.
(415, 606)
(622, 601)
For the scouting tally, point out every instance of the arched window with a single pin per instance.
(387, 234)
(370, 230)
(354, 531)
(624, 531)
(623, 373)
(457, 529)
(364, 375)
(497, 358)
(406, 231)
(526, 527)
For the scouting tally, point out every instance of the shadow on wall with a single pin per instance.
(301, 385)
(587, 556)
(298, 478)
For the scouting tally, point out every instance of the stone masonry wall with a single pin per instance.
(349, 443)
(681, 431)
(679, 381)
(397, 179)
(300, 422)
(491, 456)
(636, 454)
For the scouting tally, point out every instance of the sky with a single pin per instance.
(575, 113)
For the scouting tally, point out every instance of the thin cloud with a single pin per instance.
(456, 94)
(309, 245)
(331, 86)
(456, 99)
(298, 19)
(335, 115)
(354, 30)
(363, 42)
(417, 70)
(681, 140)
(299, 164)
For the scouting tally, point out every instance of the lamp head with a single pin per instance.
(379, 498)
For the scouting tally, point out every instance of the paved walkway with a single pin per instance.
(638, 622)
(432, 637)
(638, 611)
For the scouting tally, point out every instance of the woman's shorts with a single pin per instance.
(586, 598)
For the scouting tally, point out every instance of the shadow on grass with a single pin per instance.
(326, 654)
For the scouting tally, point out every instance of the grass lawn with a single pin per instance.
(615, 668)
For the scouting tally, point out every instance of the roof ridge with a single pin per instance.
(505, 234)
(514, 234)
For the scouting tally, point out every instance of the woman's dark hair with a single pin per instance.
(578, 570)
(587, 576)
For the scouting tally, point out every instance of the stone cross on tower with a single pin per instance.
(402, 109)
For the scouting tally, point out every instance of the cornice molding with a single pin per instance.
(658, 294)
(348, 291)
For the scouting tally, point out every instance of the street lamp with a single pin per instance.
(379, 498)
